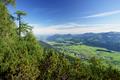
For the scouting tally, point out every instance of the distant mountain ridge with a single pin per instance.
(109, 40)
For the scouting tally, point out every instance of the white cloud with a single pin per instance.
(73, 28)
(103, 14)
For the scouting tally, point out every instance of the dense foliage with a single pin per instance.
(22, 58)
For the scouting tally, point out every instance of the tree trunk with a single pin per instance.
(19, 18)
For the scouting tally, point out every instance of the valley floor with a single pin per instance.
(85, 52)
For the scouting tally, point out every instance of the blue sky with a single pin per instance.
(70, 16)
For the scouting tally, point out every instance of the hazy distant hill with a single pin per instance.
(45, 45)
(109, 40)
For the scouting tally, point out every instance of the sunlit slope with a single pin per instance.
(86, 52)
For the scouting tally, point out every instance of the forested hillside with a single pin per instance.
(22, 57)
(109, 40)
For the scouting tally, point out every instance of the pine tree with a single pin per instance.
(19, 14)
